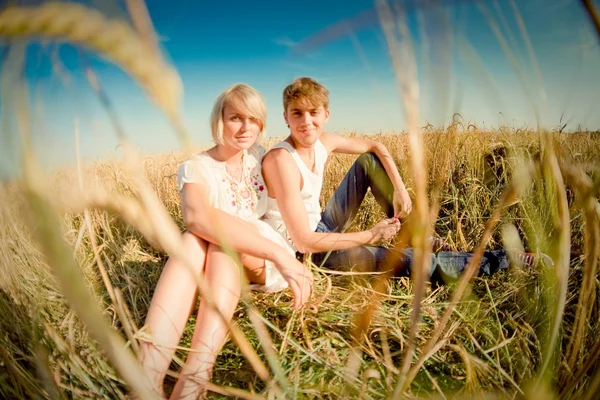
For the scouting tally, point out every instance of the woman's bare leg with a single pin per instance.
(223, 277)
(173, 300)
(254, 268)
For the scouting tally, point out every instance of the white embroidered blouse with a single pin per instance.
(246, 198)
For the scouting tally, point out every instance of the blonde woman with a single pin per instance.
(229, 176)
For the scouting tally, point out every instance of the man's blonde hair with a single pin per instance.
(306, 90)
(244, 98)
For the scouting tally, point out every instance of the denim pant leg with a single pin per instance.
(366, 172)
(446, 266)
(366, 258)
(450, 265)
(359, 258)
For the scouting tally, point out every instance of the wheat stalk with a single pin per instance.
(402, 53)
(113, 39)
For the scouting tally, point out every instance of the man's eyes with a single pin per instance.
(299, 114)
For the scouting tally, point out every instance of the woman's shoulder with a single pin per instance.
(257, 151)
(255, 155)
(198, 159)
(197, 167)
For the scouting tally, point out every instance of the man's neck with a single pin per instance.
(306, 153)
(300, 149)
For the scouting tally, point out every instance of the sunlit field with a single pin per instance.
(493, 342)
(81, 251)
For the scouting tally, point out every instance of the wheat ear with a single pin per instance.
(113, 39)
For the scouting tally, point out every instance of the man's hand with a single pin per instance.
(384, 230)
(402, 203)
(298, 276)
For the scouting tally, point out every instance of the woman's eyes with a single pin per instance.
(238, 118)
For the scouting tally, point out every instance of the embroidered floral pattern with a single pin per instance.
(246, 194)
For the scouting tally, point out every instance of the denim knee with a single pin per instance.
(368, 158)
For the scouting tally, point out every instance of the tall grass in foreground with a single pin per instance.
(520, 333)
(493, 342)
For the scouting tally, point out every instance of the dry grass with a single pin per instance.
(493, 343)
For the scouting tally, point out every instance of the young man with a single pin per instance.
(293, 173)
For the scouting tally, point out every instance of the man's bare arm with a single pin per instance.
(283, 181)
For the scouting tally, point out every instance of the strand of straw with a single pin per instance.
(561, 250)
(584, 188)
(590, 8)
(406, 74)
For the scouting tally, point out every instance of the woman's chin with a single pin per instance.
(240, 145)
(245, 145)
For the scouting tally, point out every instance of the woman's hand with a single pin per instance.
(298, 276)
(384, 230)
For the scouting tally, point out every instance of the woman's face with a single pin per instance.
(239, 130)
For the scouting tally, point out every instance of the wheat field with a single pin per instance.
(494, 339)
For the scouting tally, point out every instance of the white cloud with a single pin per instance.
(285, 42)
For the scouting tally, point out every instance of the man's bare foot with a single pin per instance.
(438, 244)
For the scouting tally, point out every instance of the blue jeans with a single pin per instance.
(368, 172)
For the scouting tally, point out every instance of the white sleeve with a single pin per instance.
(258, 151)
(194, 171)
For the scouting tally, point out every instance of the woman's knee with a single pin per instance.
(215, 251)
(221, 263)
(195, 250)
(193, 243)
(223, 276)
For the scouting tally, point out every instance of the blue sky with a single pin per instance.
(462, 68)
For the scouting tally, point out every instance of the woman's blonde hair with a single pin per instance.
(244, 98)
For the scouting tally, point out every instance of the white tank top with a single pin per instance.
(311, 190)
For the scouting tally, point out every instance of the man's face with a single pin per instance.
(306, 121)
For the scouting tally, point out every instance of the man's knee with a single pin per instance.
(368, 158)
(370, 162)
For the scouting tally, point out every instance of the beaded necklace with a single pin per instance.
(239, 186)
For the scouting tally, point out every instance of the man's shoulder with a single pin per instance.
(328, 140)
(326, 136)
(277, 155)
(279, 162)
